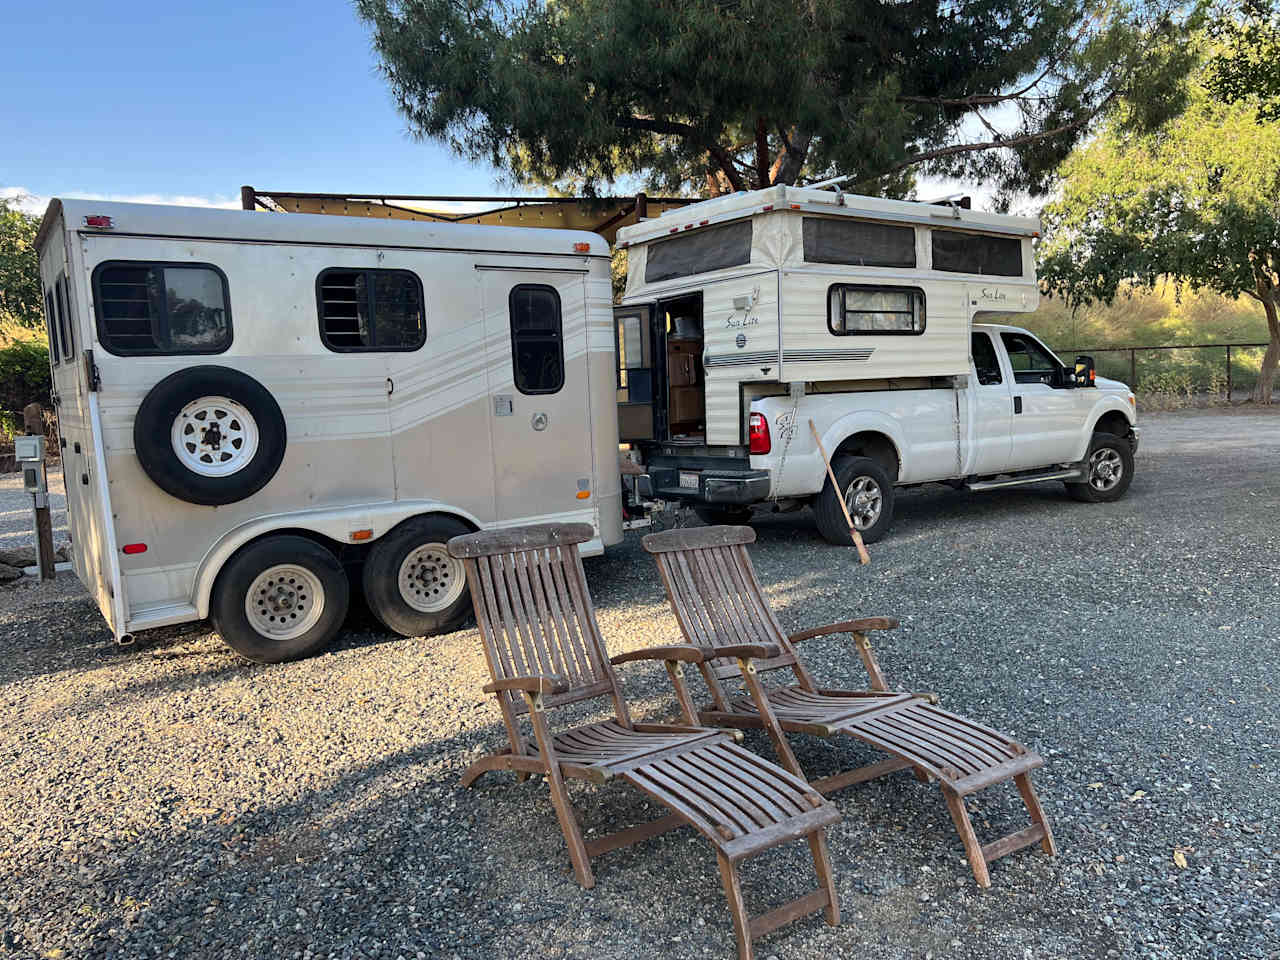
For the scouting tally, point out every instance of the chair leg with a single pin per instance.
(496, 761)
(569, 826)
(1023, 780)
(955, 803)
(822, 865)
(737, 906)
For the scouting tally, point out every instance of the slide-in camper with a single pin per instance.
(748, 316)
(253, 407)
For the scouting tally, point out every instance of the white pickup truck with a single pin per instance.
(1021, 417)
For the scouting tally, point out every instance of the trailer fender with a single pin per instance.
(338, 525)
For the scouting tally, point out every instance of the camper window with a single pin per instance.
(857, 242)
(860, 310)
(161, 308)
(537, 351)
(65, 326)
(378, 310)
(703, 250)
(49, 322)
(957, 252)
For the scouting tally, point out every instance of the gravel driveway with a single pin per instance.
(171, 800)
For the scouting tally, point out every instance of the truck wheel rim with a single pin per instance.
(284, 601)
(214, 436)
(1105, 469)
(865, 501)
(431, 580)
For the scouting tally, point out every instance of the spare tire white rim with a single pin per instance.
(430, 580)
(284, 601)
(214, 436)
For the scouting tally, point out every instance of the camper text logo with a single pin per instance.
(993, 293)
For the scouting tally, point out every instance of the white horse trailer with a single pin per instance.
(253, 405)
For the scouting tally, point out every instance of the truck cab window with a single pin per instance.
(1031, 362)
(537, 348)
(985, 362)
(161, 308)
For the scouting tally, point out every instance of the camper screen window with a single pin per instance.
(856, 310)
(378, 310)
(828, 240)
(162, 308)
(537, 348)
(701, 251)
(957, 252)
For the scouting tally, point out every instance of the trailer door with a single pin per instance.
(633, 332)
(536, 351)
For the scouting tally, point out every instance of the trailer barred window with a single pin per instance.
(537, 338)
(49, 323)
(861, 310)
(703, 250)
(370, 310)
(957, 252)
(858, 242)
(65, 327)
(148, 308)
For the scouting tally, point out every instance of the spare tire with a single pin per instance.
(209, 435)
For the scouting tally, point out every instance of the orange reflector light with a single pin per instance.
(582, 247)
(361, 534)
(132, 548)
(584, 494)
(795, 206)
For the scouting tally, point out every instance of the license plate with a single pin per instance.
(688, 481)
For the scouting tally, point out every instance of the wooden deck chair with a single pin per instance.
(544, 650)
(717, 600)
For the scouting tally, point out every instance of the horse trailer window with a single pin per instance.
(704, 250)
(370, 310)
(148, 309)
(957, 252)
(858, 243)
(537, 338)
(858, 310)
(50, 324)
(65, 327)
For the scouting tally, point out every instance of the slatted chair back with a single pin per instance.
(535, 614)
(717, 599)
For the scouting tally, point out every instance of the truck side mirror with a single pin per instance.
(1086, 375)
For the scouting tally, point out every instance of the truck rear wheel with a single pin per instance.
(412, 584)
(868, 493)
(1109, 467)
(280, 598)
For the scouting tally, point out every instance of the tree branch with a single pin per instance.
(677, 129)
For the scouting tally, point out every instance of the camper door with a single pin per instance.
(633, 330)
(536, 344)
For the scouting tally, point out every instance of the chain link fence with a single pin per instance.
(1200, 374)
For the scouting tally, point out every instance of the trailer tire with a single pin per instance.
(1110, 470)
(280, 598)
(232, 458)
(872, 484)
(412, 584)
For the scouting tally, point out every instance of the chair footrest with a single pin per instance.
(1014, 841)
(801, 907)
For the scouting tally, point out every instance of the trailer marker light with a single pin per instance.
(674, 230)
(688, 226)
(758, 437)
(582, 247)
(584, 494)
(132, 548)
(361, 534)
(767, 207)
(99, 221)
(795, 206)
(703, 223)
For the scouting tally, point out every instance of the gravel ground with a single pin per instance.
(171, 800)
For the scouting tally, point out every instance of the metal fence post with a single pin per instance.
(1133, 369)
(1228, 373)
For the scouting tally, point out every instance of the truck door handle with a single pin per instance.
(1017, 404)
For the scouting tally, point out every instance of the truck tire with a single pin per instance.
(209, 435)
(412, 584)
(869, 494)
(1110, 468)
(280, 598)
(716, 516)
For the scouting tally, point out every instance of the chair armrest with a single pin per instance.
(846, 626)
(686, 653)
(535, 684)
(745, 651)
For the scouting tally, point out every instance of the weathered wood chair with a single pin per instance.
(716, 598)
(544, 650)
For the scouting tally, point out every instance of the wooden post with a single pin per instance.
(642, 207)
(863, 556)
(33, 422)
(248, 198)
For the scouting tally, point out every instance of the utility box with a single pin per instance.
(28, 449)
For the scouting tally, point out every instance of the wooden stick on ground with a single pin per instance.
(853, 531)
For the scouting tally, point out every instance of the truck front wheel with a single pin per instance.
(1109, 470)
(868, 493)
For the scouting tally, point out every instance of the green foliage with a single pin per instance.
(1246, 65)
(24, 373)
(718, 96)
(19, 270)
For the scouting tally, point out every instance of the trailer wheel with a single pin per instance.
(280, 598)
(869, 495)
(209, 435)
(412, 584)
(1110, 470)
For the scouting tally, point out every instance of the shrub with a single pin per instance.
(24, 375)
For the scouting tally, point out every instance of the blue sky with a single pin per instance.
(161, 100)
